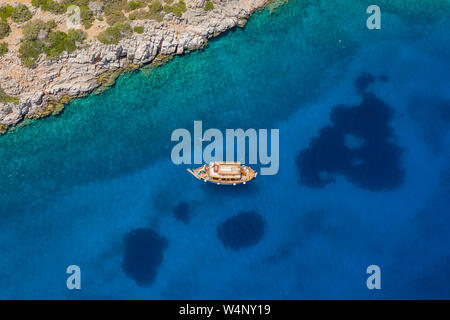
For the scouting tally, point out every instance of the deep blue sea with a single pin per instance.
(364, 179)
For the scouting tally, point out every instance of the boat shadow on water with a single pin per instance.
(247, 189)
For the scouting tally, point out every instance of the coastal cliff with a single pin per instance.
(42, 90)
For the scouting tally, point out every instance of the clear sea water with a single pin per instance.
(364, 119)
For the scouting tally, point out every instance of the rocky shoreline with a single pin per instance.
(45, 89)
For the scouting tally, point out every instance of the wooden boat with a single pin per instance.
(230, 173)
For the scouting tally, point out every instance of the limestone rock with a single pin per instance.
(97, 8)
(78, 73)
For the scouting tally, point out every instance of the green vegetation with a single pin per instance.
(80, 3)
(32, 29)
(177, 9)
(21, 13)
(50, 5)
(4, 98)
(6, 11)
(58, 7)
(112, 6)
(138, 29)
(87, 17)
(50, 25)
(30, 51)
(3, 48)
(39, 37)
(156, 16)
(155, 6)
(76, 35)
(155, 9)
(139, 15)
(57, 42)
(115, 17)
(5, 29)
(209, 5)
(133, 5)
(112, 35)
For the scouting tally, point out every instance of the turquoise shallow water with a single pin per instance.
(95, 186)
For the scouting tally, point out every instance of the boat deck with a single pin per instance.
(230, 173)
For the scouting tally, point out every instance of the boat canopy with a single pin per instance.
(225, 170)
